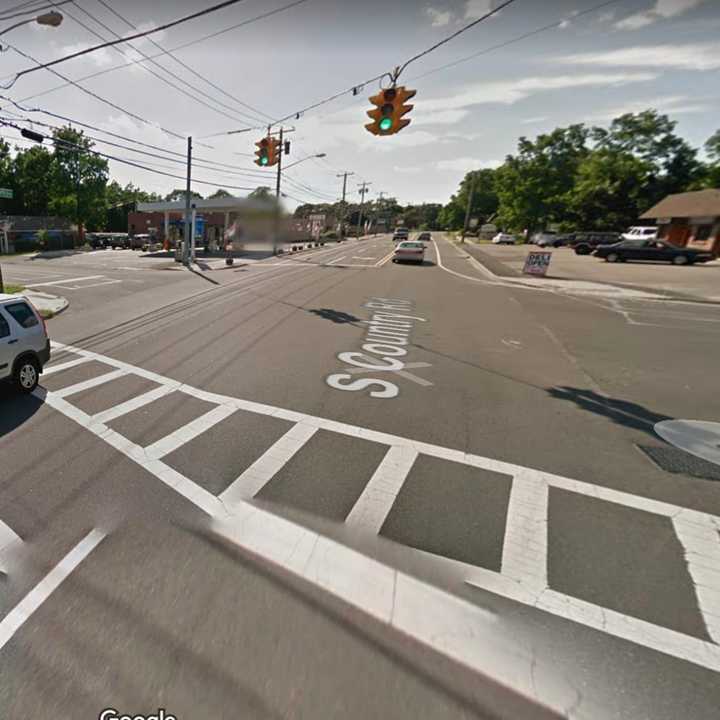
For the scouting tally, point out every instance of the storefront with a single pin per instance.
(689, 219)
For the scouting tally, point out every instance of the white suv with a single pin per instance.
(639, 232)
(24, 342)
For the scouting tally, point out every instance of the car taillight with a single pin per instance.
(39, 316)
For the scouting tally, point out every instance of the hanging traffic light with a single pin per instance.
(388, 114)
(273, 151)
(263, 152)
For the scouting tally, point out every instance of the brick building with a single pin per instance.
(690, 219)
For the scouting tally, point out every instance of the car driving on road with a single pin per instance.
(410, 251)
(24, 342)
(400, 234)
(656, 250)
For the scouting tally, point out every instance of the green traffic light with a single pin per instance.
(264, 160)
(386, 123)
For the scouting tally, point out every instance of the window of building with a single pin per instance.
(703, 232)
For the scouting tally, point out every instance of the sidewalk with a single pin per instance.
(587, 275)
(47, 305)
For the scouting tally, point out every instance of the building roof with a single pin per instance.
(685, 205)
(223, 204)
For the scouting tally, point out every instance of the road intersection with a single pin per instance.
(504, 514)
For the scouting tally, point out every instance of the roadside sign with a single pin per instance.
(537, 263)
(6, 193)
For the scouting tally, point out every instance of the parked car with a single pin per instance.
(640, 232)
(504, 239)
(400, 234)
(409, 251)
(139, 242)
(24, 342)
(657, 250)
(550, 239)
(585, 242)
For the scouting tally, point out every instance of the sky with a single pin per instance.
(589, 67)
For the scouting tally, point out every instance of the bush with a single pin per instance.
(329, 235)
(26, 244)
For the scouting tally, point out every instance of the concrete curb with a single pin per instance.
(44, 302)
(565, 284)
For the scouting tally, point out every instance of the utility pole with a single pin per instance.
(188, 219)
(362, 191)
(77, 197)
(277, 194)
(469, 206)
(344, 176)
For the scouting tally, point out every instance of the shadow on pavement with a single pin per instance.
(15, 408)
(622, 412)
(424, 263)
(336, 316)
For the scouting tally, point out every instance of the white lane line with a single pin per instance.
(524, 556)
(83, 287)
(133, 404)
(66, 280)
(8, 538)
(188, 432)
(14, 620)
(337, 260)
(373, 505)
(268, 464)
(91, 383)
(494, 281)
(265, 535)
(64, 366)
(191, 491)
(702, 554)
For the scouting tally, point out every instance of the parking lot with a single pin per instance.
(697, 281)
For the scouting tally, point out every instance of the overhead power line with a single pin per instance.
(181, 89)
(125, 161)
(111, 104)
(354, 89)
(135, 36)
(518, 38)
(29, 11)
(187, 67)
(182, 46)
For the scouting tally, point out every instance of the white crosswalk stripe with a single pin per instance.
(523, 574)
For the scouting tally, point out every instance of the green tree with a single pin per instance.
(32, 168)
(261, 193)
(532, 186)
(78, 180)
(220, 193)
(712, 169)
(485, 200)
(179, 194)
(650, 137)
(609, 190)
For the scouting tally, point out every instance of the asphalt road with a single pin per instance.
(333, 486)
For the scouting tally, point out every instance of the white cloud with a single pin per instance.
(661, 10)
(463, 164)
(534, 120)
(475, 9)
(699, 56)
(607, 16)
(442, 117)
(101, 58)
(671, 104)
(407, 169)
(511, 91)
(438, 18)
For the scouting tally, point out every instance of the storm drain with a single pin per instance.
(673, 460)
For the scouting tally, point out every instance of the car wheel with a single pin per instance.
(680, 260)
(26, 375)
(612, 257)
(582, 250)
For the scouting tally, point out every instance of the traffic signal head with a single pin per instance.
(263, 152)
(273, 151)
(389, 109)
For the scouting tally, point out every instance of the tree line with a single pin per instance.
(586, 178)
(67, 180)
